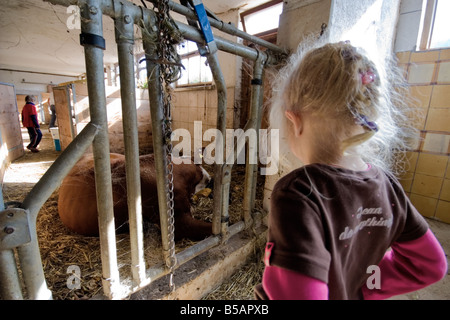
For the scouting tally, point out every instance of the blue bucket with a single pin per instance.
(57, 145)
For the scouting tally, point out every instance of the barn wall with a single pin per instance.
(10, 133)
(64, 115)
(427, 179)
(370, 24)
(29, 82)
(114, 109)
(200, 103)
(305, 17)
(80, 117)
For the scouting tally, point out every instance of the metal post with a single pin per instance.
(194, 34)
(224, 27)
(157, 115)
(59, 169)
(197, 249)
(221, 175)
(251, 170)
(222, 171)
(124, 26)
(10, 288)
(91, 27)
(29, 255)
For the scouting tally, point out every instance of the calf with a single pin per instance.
(77, 203)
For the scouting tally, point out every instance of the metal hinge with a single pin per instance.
(14, 228)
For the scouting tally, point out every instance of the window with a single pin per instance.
(262, 20)
(435, 25)
(140, 69)
(196, 69)
(440, 36)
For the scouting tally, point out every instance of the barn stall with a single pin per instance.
(121, 279)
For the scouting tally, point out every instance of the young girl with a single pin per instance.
(333, 221)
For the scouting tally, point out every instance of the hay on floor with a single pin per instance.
(61, 248)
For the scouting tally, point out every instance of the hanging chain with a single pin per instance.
(168, 37)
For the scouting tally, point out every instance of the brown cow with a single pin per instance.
(77, 204)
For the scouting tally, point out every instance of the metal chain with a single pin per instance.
(167, 39)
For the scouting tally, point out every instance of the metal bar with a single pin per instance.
(157, 116)
(221, 188)
(59, 169)
(125, 39)
(91, 23)
(10, 288)
(197, 249)
(29, 256)
(193, 34)
(71, 94)
(188, 32)
(251, 169)
(227, 28)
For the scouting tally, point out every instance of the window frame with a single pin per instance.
(266, 35)
(188, 55)
(427, 25)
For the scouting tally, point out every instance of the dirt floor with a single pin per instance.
(61, 248)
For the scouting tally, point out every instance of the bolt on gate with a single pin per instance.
(18, 225)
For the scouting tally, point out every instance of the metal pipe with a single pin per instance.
(221, 188)
(193, 34)
(124, 29)
(157, 116)
(156, 272)
(91, 23)
(197, 249)
(251, 169)
(188, 32)
(29, 256)
(227, 28)
(9, 277)
(58, 170)
(222, 172)
(10, 288)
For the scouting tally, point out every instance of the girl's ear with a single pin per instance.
(297, 122)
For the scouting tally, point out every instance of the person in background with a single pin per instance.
(52, 116)
(30, 121)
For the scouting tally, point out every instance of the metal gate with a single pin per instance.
(18, 225)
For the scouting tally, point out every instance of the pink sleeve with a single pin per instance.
(408, 267)
(283, 284)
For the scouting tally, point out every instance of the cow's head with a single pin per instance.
(205, 178)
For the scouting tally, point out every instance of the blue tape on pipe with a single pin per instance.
(204, 23)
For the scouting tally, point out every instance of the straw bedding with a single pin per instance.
(61, 248)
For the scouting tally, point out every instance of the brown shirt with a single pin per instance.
(331, 224)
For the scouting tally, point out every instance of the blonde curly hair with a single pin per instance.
(339, 87)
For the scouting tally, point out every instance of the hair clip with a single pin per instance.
(368, 77)
(363, 121)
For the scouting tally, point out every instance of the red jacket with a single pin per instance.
(28, 111)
